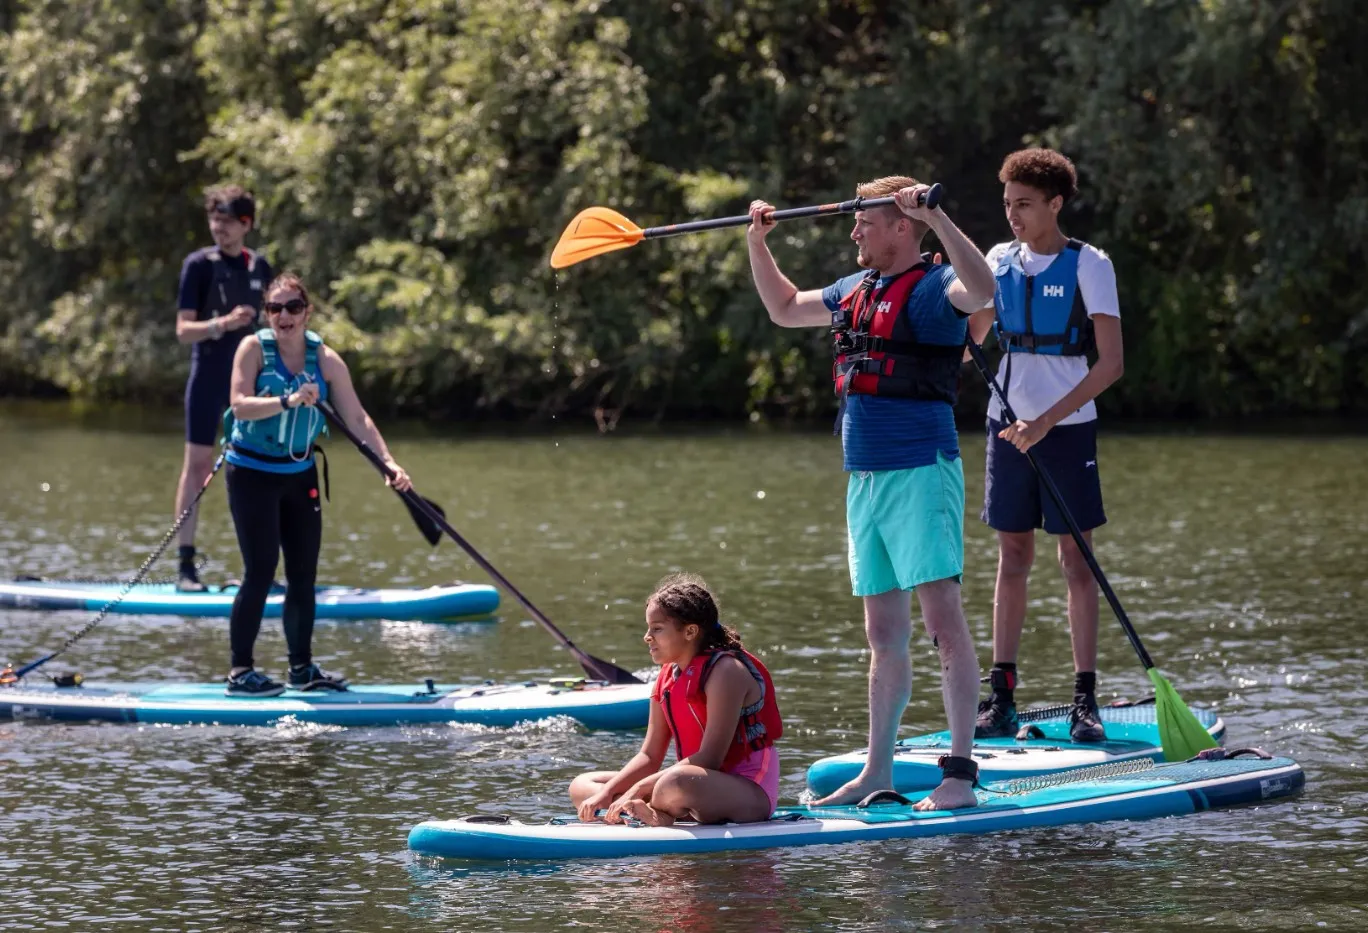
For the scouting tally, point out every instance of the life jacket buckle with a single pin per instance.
(852, 345)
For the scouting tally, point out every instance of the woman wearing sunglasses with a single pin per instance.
(280, 374)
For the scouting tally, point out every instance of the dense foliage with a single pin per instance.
(417, 160)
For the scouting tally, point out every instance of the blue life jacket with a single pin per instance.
(283, 443)
(1042, 313)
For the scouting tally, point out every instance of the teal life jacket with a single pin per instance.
(283, 443)
(1042, 313)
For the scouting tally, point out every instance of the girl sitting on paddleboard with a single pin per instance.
(716, 701)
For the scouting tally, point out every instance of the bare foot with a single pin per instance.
(648, 814)
(952, 794)
(853, 792)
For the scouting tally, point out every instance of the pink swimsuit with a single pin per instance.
(762, 767)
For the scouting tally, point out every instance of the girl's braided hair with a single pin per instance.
(685, 598)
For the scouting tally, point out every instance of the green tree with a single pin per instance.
(417, 160)
(98, 103)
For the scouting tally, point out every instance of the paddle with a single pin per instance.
(594, 667)
(426, 516)
(599, 230)
(9, 676)
(1180, 733)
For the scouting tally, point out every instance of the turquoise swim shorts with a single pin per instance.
(905, 527)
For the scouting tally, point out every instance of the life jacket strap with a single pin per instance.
(751, 727)
(271, 458)
(314, 450)
(1031, 342)
(327, 484)
(856, 345)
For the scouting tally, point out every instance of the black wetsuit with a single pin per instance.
(214, 284)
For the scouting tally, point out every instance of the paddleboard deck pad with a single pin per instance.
(1132, 733)
(595, 705)
(1130, 790)
(461, 600)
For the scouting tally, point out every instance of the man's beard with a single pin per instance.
(869, 260)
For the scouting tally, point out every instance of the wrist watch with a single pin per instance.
(285, 402)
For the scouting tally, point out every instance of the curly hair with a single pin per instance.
(1043, 169)
(288, 280)
(685, 598)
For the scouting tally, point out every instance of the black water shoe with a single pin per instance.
(997, 718)
(188, 580)
(1085, 723)
(313, 677)
(253, 683)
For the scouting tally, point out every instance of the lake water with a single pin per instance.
(1241, 560)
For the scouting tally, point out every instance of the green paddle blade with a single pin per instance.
(1179, 731)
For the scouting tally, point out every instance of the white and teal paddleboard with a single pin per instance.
(1132, 733)
(1129, 790)
(595, 705)
(434, 603)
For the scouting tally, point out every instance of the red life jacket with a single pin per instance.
(878, 353)
(680, 694)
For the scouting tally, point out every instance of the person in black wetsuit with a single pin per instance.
(279, 376)
(219, 299)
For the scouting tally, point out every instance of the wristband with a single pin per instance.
(215, 329)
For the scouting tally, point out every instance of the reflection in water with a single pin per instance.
(423, 640)
(681, 895)
(1240, 560)
(674, 893)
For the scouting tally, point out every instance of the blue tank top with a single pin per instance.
(284, 442)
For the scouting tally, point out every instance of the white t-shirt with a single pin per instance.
(1038, 379)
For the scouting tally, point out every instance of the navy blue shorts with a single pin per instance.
(1014, 498)
(206, 399)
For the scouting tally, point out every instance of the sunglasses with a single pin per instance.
(293, 306)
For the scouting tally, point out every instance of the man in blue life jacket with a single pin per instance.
(1055, 303)
(898, 329)
(218, 301)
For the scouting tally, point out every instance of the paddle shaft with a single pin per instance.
(981, 362)
(592, 665)
(931, 200)
(137, 577)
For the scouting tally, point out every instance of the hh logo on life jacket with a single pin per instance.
(883, 307)
(1054, 291)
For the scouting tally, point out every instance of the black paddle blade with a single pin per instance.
(600, 669)
(430, 529)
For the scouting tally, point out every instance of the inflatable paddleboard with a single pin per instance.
(595, 705)
(1132, 733)
(1130, 790)
(435, 603)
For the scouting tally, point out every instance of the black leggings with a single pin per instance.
(274, 512)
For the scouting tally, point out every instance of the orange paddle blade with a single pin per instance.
(593, 232)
